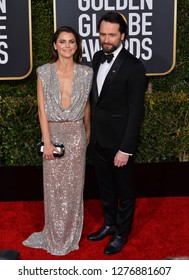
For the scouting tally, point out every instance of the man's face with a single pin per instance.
(110, 36)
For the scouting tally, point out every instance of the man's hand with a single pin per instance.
(121, 159)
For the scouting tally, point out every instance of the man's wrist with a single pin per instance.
(126, 153)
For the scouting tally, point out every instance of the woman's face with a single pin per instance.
(66, 44)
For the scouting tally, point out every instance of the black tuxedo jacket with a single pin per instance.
(117, 113)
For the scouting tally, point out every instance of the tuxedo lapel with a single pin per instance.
(95, 88)
(111, 74)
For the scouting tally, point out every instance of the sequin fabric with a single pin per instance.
(81, 86)
(63, 178)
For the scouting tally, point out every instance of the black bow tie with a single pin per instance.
(107, 57)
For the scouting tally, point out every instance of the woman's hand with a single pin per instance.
(48, 151)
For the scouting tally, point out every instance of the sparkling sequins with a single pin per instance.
(81, 86)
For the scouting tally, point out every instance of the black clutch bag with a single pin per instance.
(60, 147)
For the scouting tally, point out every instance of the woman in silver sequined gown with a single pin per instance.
(63, 87)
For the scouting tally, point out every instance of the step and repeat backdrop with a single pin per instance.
(151, 28)
(151, 31)
(15, 39)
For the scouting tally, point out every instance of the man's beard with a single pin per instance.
(110, 50)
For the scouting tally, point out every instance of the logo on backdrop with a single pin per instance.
(15, 39)
(151, 28)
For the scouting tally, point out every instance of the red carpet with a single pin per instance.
(160, 230)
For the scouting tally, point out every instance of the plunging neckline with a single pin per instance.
(59, 88)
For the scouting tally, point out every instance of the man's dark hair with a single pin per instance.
(114, 17)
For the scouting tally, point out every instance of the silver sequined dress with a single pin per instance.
(63, 178)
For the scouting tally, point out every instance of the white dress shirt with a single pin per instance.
(104, 69)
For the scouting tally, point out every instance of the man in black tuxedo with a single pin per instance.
(117, 105)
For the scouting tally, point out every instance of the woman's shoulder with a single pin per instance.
(84, 69)
(44, 68)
